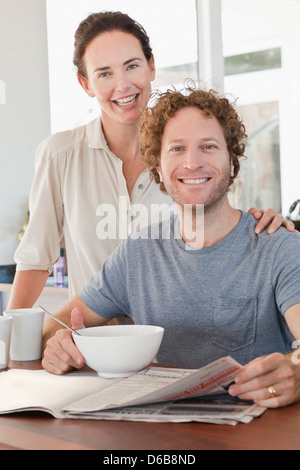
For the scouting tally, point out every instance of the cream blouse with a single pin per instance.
(79, 193)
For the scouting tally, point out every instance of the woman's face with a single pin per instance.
(118, 75)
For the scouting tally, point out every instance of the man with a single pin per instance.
(215, 286)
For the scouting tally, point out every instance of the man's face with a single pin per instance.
(195, 165)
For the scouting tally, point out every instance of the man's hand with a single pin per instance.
(61, 354)
(260, 377)
(272, 218)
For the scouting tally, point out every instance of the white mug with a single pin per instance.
(5, 334)
(26, 334)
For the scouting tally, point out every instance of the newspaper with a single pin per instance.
(218, 410)
(156, 394)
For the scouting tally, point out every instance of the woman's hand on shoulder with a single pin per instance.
(270, 220)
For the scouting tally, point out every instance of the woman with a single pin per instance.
(83, 172)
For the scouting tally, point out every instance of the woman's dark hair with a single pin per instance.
(102, 22)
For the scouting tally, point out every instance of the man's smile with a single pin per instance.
(194, 180)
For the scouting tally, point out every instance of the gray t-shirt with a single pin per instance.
(226, 299)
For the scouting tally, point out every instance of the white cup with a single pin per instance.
(26, 334)
(5, 334)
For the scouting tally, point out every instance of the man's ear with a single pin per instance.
(86, 86)
(232, 169)
(159, 172)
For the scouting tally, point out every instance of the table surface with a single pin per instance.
(275, 429)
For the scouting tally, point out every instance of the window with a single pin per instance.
(253, 61)
(262, 70)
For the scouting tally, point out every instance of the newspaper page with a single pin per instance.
(24, 390)
(171, 395)
(156, 384)
(221, 409)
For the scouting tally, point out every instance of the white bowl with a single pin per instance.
(119, 350)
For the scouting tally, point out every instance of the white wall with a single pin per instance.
(24, 110)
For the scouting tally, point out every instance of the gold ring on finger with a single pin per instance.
(272, 391)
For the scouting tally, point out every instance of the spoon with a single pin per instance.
(59, 321)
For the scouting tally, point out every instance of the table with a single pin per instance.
(275, 429)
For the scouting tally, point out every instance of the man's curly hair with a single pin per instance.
(155, 118)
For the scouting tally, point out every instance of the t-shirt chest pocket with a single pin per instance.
(234, 322)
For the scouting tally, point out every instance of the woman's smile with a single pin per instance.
(119, 76)
(126, 102)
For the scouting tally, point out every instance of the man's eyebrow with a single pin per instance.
(210, 139)
(201, 140)
(108, 67)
